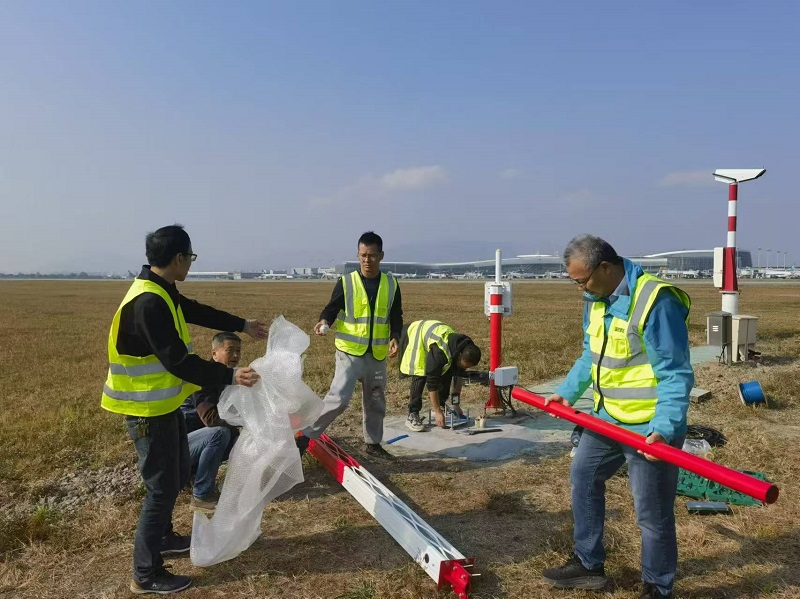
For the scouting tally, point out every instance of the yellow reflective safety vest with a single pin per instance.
(421, 334)
(141, 386)
(623, 379)
(353, 323)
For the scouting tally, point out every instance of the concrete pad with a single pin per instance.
(516, 438)
(531, 432)
(704, 353)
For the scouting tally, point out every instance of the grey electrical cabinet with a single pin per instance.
(719, 329)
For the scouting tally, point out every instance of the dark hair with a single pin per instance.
(591, 251)
(371, 238)
(220, 339)
(471, 353)
(163, 245)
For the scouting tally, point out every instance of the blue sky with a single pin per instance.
(278, 132)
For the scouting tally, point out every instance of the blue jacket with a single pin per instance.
(666, 341)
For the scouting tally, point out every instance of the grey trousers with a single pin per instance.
(350, 370)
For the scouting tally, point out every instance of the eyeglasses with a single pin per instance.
(192, 257)
(582, 282)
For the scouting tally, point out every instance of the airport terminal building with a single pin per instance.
(691, 263)
(681, 263)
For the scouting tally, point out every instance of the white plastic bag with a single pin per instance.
(264, 462)
(696, 446)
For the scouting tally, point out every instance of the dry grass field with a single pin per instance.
(513, 517)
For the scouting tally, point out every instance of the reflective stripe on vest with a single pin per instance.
(622, 377)
(141, 386)
(353, 323)
(421, 334)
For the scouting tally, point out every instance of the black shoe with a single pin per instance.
(173, 543)
(573, 575)
(375, 450)
(650, 591)
(302, 443)
(161, 583)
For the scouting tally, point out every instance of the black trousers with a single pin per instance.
(418, 389)
(163, 450)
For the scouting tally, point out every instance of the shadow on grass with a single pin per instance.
(770, 360)
(776, 556)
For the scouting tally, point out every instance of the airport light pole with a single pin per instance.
(496, 305)
(730, 287)
(768, 251)
(759, 258)
(495, 330)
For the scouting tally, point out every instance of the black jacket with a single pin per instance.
(336, 304)
(435, 360)
(146, 327)
(200, 409)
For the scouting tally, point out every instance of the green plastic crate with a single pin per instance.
(699, 487)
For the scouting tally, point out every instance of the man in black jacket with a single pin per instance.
(432, 355)
(211, 439)
(151, 371)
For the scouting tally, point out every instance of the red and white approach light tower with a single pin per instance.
(496, 305)
(730, 286)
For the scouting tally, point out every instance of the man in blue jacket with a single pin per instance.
(636, 357)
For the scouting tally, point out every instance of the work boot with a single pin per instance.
(573, 575)
(375, 450)
(302, 443)
(173, 544)
(161, 583)
(414, 422)
(650, 591)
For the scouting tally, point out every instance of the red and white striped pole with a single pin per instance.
(734, 479)
(445, 564)
(730, 285)
(496, 312)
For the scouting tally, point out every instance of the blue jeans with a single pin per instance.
(160, 442)
(208, 447)
(653, 485)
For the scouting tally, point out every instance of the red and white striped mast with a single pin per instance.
(441, 561)
(730, 286)
(497, 305)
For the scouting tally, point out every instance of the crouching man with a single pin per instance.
(211, 439)
(432, 355)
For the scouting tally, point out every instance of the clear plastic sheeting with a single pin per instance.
(264, 462)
